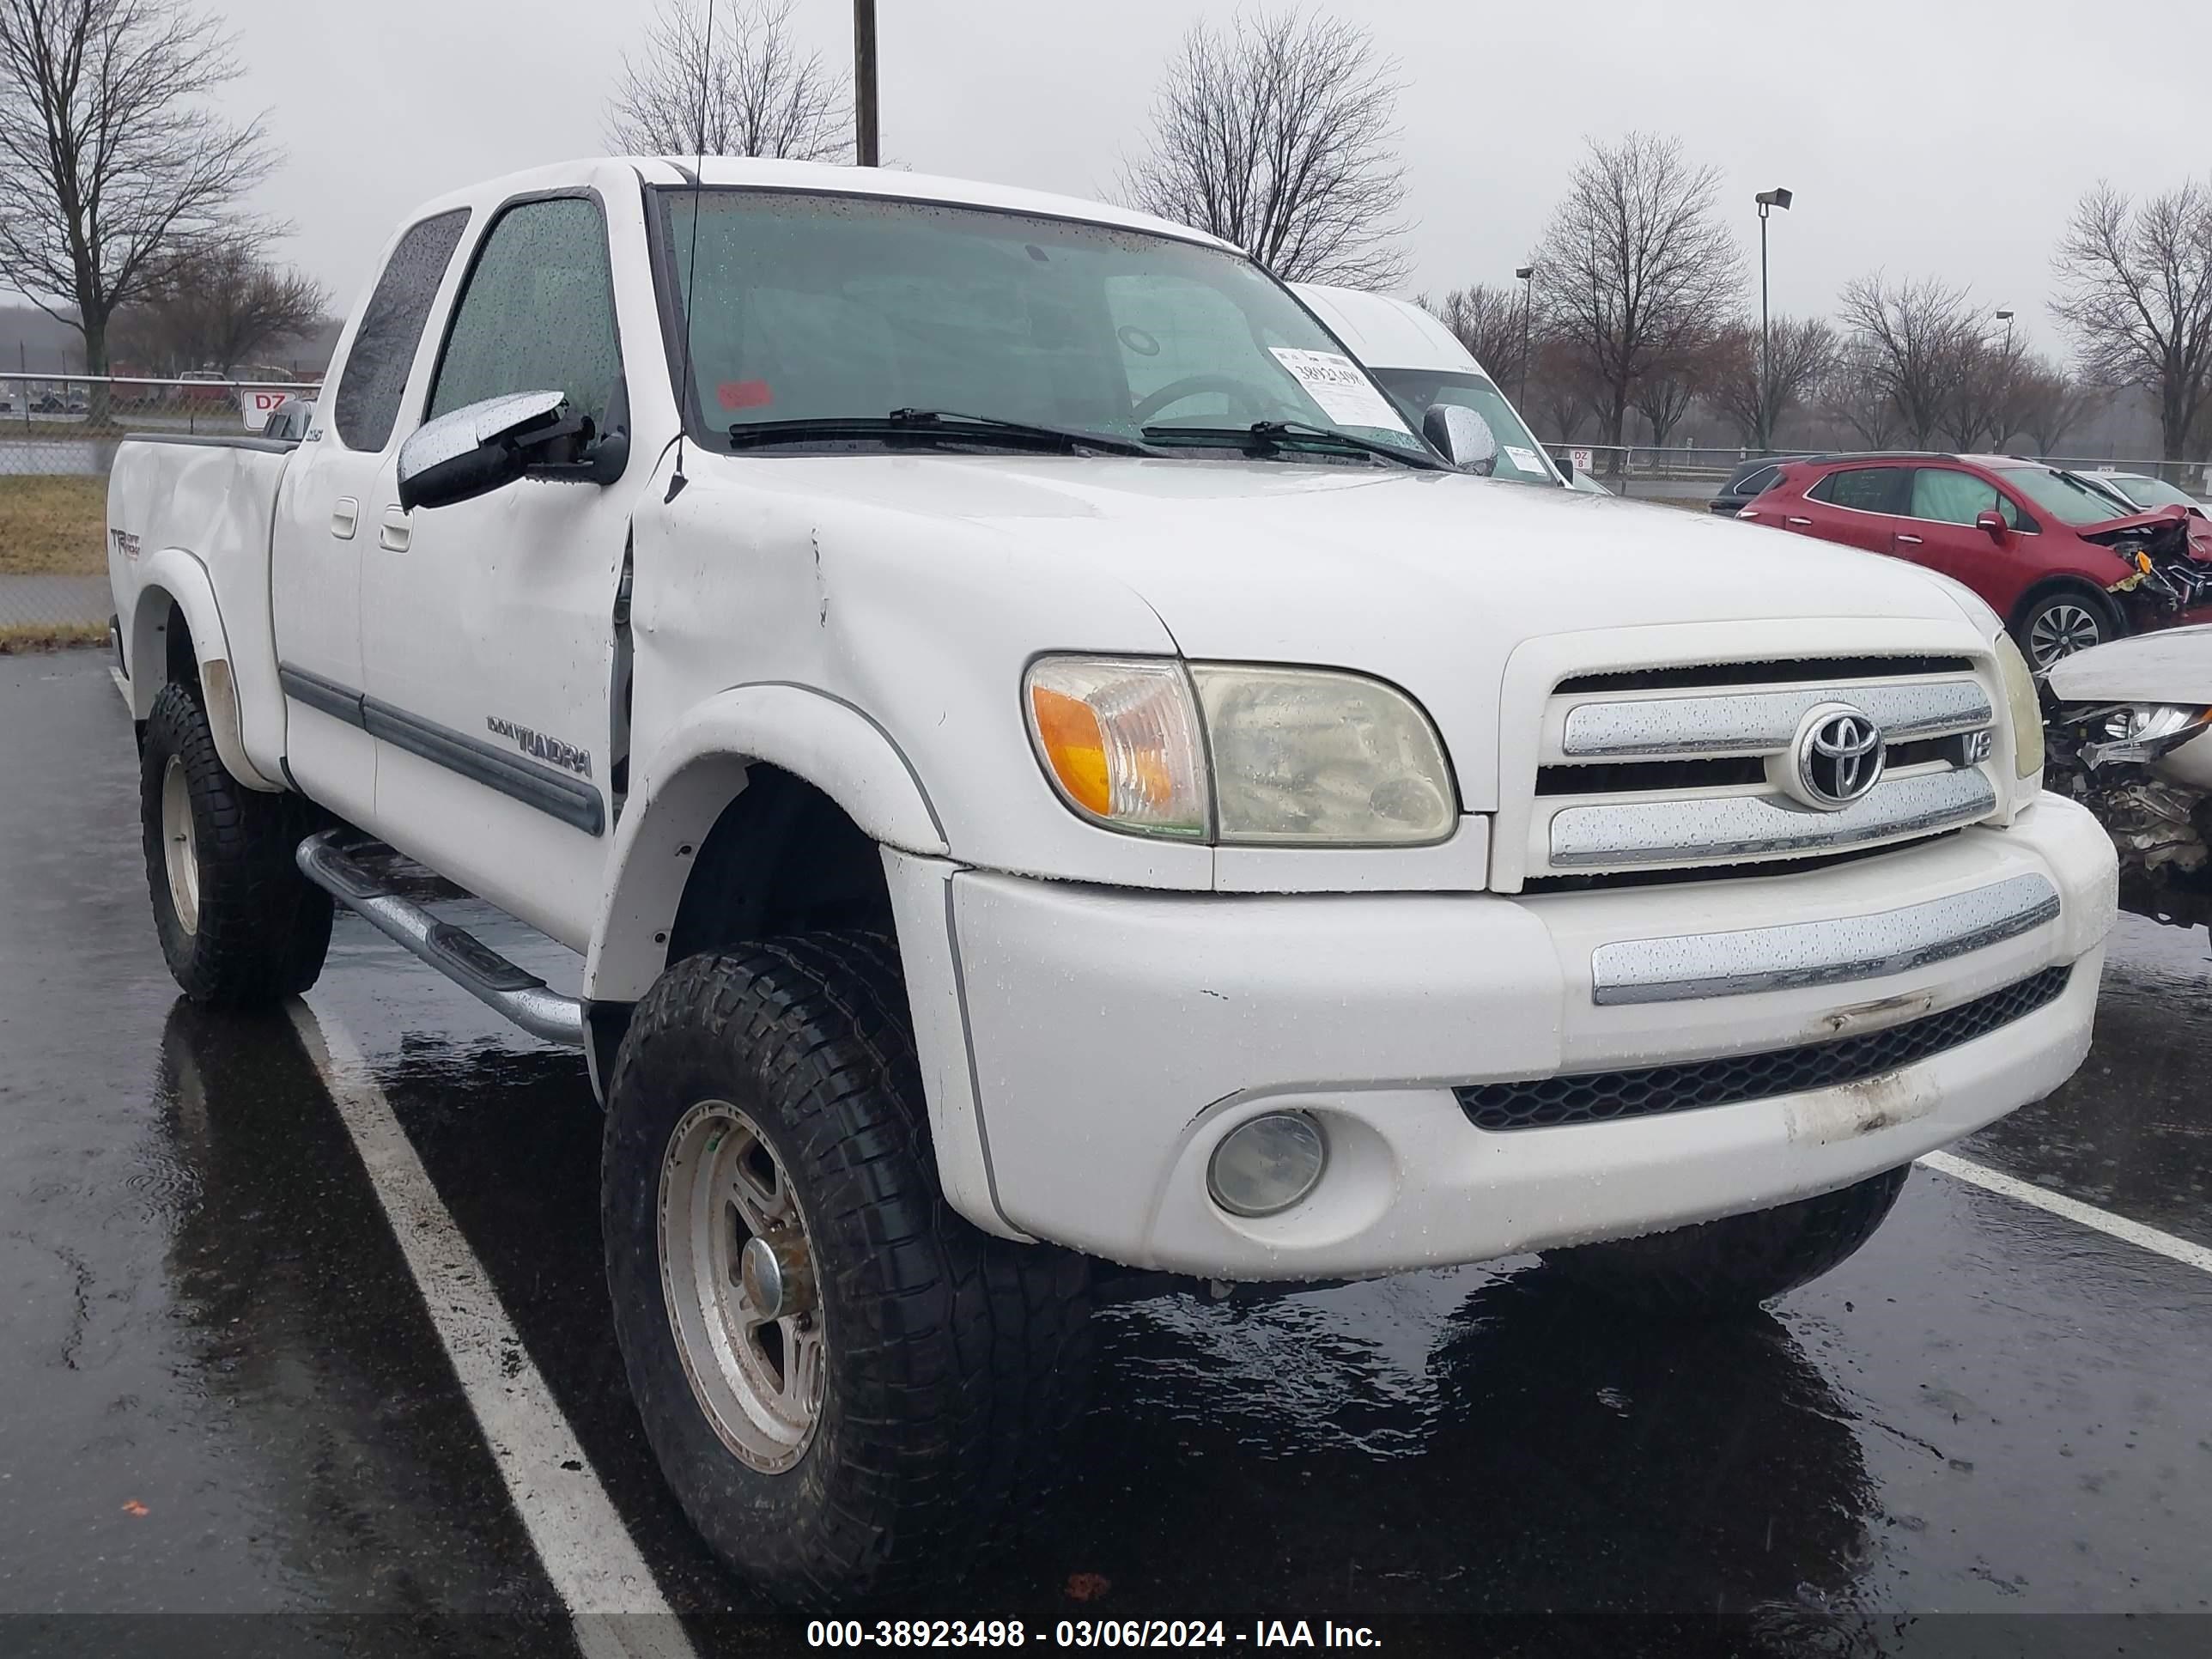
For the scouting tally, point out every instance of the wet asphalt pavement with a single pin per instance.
(220, 1392)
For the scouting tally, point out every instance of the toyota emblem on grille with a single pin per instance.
(1839, 756)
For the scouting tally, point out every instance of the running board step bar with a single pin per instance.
(458, 954)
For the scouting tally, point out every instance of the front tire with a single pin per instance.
(1731, 1266)
(240, 927)
(845, 1383)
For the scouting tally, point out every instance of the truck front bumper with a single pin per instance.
(1112, 1039)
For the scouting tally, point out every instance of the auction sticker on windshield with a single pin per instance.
(1526, 460)
(1346, 395)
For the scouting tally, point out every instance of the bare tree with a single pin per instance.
(1279, 137)
(719, 79)
(1918, 339)
(2136, 297)
(1800, 352)
(112, 168)
(218, 307)
(1663, 394)
(1636, 264)
(1855, 394)
(1563, 392)
(1976, 408)
(1487, 321)
(2044, 403)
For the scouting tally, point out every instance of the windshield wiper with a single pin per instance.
(1272, 434)
(930, 424)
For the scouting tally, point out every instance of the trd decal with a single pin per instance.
(539, 746)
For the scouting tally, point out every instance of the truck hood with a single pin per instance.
(1277, 559)
(1431, 581)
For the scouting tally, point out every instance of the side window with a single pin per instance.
(537, 313)
(1863, 488)
(1944, 495)
(375, 377)
(2017, 517)
(1760, 482)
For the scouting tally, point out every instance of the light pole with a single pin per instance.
(865, 149)
(1767, 200)
(2004, 413)
(1522, 274)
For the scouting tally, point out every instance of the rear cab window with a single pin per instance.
(1862, 489)
(375, 377)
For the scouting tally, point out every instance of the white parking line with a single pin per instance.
(2088, 1215)
(588, 1554)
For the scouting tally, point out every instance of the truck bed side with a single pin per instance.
(189, 524)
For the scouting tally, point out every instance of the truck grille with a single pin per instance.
(1608, 1096)
(1692, 767)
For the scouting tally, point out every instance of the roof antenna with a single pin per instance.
(677, 481)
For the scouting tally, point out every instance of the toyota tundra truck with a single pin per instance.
(1059, 787)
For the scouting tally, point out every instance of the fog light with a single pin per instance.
(1263, 1167)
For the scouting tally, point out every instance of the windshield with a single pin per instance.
(2147, 493)
(811, 306)
(2064, 499)
(1520, 457)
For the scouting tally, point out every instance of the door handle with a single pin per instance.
(345, 517)
(399, 530)
(1909, 541)
(1797, 522)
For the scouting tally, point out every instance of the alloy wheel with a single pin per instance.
(737, 1272)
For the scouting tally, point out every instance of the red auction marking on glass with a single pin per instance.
(744, 394)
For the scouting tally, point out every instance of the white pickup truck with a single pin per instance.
(1057, 790)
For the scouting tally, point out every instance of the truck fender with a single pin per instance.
(698, 769)
(174, 575)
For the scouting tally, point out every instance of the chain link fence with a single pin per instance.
(58, 436)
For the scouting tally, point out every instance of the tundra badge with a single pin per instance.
(539, 746)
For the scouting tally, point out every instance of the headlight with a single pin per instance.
(2151, 723)
(2144, 731)
(2026, 706)
(1240, 755)
(1307, 755)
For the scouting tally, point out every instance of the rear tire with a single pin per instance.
(2054, 626)
(240, 927)
(1733, 1264)
(766, 1137)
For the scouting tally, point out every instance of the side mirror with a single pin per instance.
(1462, 437)
(484, 446)
(1991, 525)
(1566, 466)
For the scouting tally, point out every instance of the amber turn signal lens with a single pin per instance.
(1073, 746)
(1119, 738)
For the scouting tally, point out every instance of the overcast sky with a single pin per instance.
(1941, 135)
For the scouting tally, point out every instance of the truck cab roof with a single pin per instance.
(739, 172)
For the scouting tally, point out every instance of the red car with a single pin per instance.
(2050, 553)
